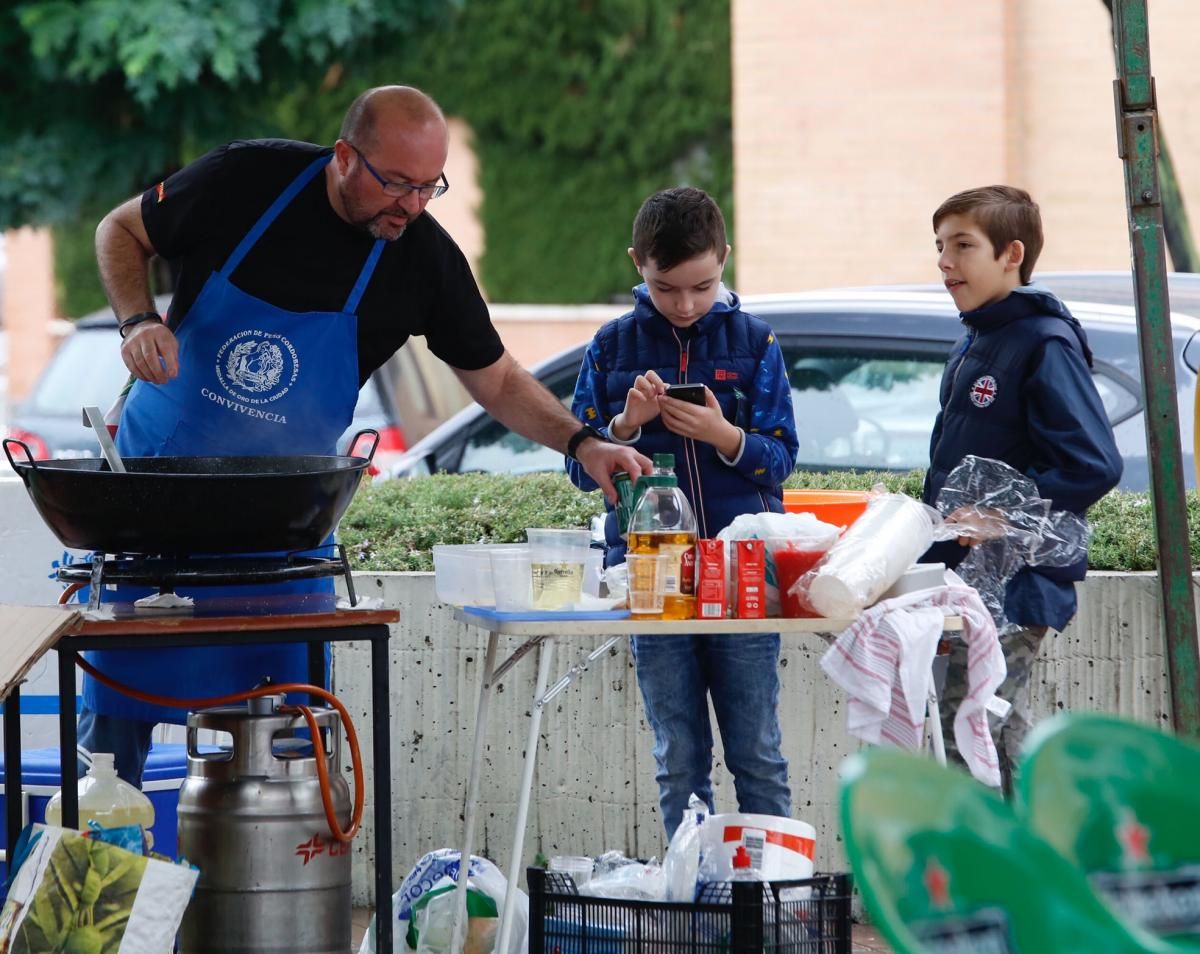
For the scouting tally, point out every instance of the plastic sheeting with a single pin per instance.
(989, 501)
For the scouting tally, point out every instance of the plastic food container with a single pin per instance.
(839, 507)
(463, 572)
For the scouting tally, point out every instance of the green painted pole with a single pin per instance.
(1137, 136)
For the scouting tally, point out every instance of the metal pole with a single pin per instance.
(14, 793)
(1137, 137)
(531, 747)
(458, 935)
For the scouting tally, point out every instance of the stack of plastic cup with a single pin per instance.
(556, 566)
(511, 580)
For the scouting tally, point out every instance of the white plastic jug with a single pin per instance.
(105, 798)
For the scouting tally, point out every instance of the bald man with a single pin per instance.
(299, 270)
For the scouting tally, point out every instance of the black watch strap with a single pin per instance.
(137, 319)
(579, 437)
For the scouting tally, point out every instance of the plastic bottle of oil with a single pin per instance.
(663, 523)
(105, 798)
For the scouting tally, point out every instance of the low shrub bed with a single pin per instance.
(393, 525)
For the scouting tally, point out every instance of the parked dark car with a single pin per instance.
(865, 364)
(87, 369)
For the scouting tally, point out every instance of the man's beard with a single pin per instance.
(374, 225)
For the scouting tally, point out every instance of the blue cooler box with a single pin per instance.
(165, 771)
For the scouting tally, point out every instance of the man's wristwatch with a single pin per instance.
(580, 436)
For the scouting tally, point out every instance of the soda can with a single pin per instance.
(624, 485)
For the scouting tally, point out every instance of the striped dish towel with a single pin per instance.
(884, 663)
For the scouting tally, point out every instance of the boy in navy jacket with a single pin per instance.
(731, 456)
(1017, 388)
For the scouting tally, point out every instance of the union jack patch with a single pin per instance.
(161, 189)
(983, 391)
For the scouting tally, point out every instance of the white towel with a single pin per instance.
(884, 659)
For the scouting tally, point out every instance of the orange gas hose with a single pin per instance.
(322, 772)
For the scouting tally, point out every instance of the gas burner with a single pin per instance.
(229, 570)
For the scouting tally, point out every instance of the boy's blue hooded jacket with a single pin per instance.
(736, 355)
(1018, 388)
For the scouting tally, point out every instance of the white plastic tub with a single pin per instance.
(463, 572)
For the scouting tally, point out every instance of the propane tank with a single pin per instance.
(273, 879)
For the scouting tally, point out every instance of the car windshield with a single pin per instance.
(494, 449)
(87, 369)
(861, 409)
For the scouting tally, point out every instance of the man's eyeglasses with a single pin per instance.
(400, 189)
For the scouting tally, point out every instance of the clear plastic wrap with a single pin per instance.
(682, 861)
(989, 501)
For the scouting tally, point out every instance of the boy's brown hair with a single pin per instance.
(675, 225)
(1005, 214)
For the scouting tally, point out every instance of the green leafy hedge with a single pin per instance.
(393, 525)
(579, 111)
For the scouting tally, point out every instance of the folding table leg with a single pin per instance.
(933, 718)
(531, 747)
(458, 937)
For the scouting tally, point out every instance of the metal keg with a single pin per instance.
(273, 880)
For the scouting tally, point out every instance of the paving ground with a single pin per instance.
(866, 939)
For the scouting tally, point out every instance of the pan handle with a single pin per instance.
(374, 444)
(29, 456)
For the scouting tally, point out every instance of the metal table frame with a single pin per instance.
(313, 629)
(544, 633)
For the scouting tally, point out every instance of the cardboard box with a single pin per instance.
(712, 601)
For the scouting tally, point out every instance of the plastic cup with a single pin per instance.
(647, 582)
(511, 580)
(792, 561)
(579, 868)
(557, 558)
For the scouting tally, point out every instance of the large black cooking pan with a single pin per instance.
(185, 505)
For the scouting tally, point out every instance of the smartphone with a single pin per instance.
(692, 393)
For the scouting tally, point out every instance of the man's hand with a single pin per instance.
(601, 460)
(641, 405)
(705, 424)
(151, 352)
(977, 525)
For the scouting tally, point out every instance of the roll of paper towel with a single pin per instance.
(871, 556)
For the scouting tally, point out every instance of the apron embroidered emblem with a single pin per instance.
(252, 363)
(983, 391)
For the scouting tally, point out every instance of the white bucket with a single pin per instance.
(780, 848)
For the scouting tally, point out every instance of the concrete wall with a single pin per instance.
(594, 788)
(853, 121)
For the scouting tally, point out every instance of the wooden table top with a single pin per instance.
(224, 615)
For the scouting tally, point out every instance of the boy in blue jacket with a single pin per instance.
(731, 455)
(1017, 388)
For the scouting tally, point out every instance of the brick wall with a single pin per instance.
(852, 121)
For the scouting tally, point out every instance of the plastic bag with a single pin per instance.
(616, 579)
(432, 875)
(992, 501)
(870, 556)
(636, 882)
(75, 893)
(682, 861)
(779, 530)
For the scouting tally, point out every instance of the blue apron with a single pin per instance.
(253, 379)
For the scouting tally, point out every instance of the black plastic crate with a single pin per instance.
(785, 917)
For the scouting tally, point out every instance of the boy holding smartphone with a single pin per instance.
(733, 435)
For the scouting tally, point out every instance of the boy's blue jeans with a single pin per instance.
(677, 674)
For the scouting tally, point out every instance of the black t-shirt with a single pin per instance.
(309, 259)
